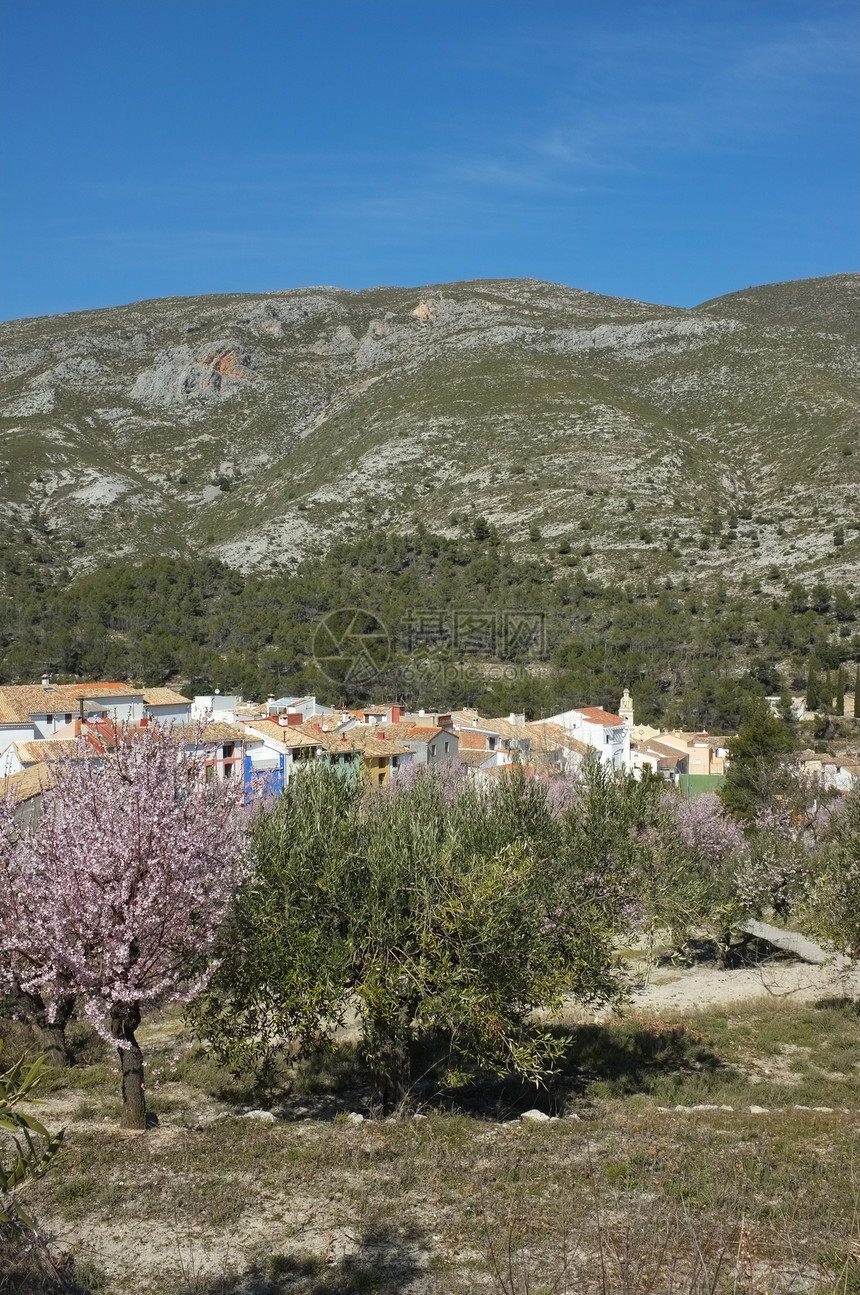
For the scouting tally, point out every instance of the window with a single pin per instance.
(447, 747)
(68, 719)
(210, 773)
(228, 749)
(228, 771)
(381, 776)
(432, 748)
(491, 744)
(49, 719)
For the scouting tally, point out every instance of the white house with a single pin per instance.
(166, 706)
(217, 706)
(307, 707)
(608, 734)
(556, 746)
(33, 712)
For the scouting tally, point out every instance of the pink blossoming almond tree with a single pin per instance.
(113, 896)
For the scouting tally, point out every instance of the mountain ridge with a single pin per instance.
(258, 427)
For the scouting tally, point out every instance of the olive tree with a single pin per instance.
(832, 907)
(434, 909)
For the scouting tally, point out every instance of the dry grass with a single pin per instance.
(628, 1198)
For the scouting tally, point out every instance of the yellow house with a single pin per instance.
(375, 757)
(707, 755)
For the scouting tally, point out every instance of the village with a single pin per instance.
(264, 744)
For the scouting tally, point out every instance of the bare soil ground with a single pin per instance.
(668, 988)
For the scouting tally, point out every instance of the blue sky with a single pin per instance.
(668, 151)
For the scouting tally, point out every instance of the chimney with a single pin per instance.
(46, 681)
(396, 714)
(421, 711)
(294, 719)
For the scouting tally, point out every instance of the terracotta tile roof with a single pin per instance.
(251, 711)
(668, 757)
(164, 697)
(26, 784)
(403, 728)
(504, 728)
(362, 740)
(380, 746)
(292, 737)
(470, 719)
(555, 739)
(21, 701)
(220, 731)
(41, 750)
(595, 715)
(472, 741)
(474, 758)
(701, 739)
(660, 748)
(104, 689)
(9, 714)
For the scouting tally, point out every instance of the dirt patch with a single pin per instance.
(688, 989)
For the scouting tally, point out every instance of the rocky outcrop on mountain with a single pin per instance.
(632, 439)
(176, 376)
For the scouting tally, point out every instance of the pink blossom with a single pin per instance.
(702, 825)
(115, 893)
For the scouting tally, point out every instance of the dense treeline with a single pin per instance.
(692, 656)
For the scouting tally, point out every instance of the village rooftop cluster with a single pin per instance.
(270, 740)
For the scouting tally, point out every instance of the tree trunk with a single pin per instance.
(724, 949)
(51, 1033)
(125, 1018)
(390, 1056)
(54, 1044)
(392, 1073)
